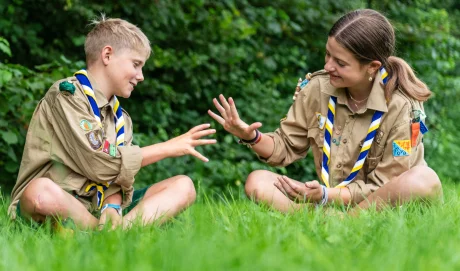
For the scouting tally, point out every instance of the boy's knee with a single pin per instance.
(185, 185)
(38, 192)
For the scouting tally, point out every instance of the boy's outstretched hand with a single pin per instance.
(231, 121)
(185, 144)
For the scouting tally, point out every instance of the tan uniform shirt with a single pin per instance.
(301, 130)
(60, 147)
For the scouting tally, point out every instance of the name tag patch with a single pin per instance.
(401, 148)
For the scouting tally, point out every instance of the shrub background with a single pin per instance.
(253, 51)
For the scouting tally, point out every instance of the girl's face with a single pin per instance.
(344, 69)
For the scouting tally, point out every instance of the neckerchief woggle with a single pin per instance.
(371, 132)
(82, 77)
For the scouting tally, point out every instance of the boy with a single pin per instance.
(78, 158)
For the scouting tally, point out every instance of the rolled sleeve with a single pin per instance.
(131, 159)
(291, 141)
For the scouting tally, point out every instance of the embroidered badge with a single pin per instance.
(67, 86)
(86, 125)
(321, 120)
(415, 128)
(401, 148)
(106, 147)
(113, 150)
(94, 139)
(423, 128)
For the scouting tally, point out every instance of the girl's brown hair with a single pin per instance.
(370, 36)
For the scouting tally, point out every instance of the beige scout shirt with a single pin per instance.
(301, 130)
(57, 147)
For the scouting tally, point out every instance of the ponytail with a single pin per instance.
(401, 76)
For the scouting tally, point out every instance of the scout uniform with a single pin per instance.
(395, 145)
(68, 144)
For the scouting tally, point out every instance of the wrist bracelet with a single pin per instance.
(114, 206)
(253, 141)
(324, 198)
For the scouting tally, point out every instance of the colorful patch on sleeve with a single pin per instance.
(113, 150)
(94, 139)
(86, 125)
(415, 129)
(321, 120)
(106, 147)
(401, 148)
(423, 128)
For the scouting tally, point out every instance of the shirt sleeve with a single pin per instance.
(291, 138)
(81, 148)
(398, 156)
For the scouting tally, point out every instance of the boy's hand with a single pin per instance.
(111, 215)
(185, 144)
(296, 191)
(231, 121)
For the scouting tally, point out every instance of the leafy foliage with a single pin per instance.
(253, 51)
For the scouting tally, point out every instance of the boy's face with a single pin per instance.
(124, 71)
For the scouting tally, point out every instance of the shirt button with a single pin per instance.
(339, 165)
(334, 141)
(345, 141)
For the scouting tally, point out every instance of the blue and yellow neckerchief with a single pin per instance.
(82, 77)
(375, 124)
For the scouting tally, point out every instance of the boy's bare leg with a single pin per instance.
(261, 189)
(43, 198)
(163, 200)
(420, 182)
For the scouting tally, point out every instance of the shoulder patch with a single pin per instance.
(401, 148)
(67, 86)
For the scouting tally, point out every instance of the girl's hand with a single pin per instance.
(308, 192)
(231, 121)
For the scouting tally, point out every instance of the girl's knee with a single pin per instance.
(255, 182)
(37, 193)
(426, 180)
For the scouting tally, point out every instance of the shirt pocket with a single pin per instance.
(376, 151)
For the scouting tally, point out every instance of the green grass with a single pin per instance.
(237, 234)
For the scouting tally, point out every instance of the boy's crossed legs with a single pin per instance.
(44, 198)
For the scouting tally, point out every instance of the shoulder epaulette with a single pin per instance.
(302, 83)
(67, 86)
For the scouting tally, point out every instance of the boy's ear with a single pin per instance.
(106, 54)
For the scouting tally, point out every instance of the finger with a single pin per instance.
(199, 156)
(312, 184)
(201, 142)
(219, 108)
(200, 134)
(199, 127)
(216, 117)
(287, 188)
(225, 104)
(233, 110)
(280, 188)
(294, 186)
(254, 126)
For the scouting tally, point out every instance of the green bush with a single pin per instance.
(253, 51)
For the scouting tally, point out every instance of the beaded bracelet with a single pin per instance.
(252, 141)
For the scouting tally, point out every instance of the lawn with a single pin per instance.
(235, 234)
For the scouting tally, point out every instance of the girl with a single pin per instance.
(363, 118)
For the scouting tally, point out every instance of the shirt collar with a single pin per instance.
(376, 101)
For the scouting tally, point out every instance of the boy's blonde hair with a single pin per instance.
(117, 33)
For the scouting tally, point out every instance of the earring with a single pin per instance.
(370, 78)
